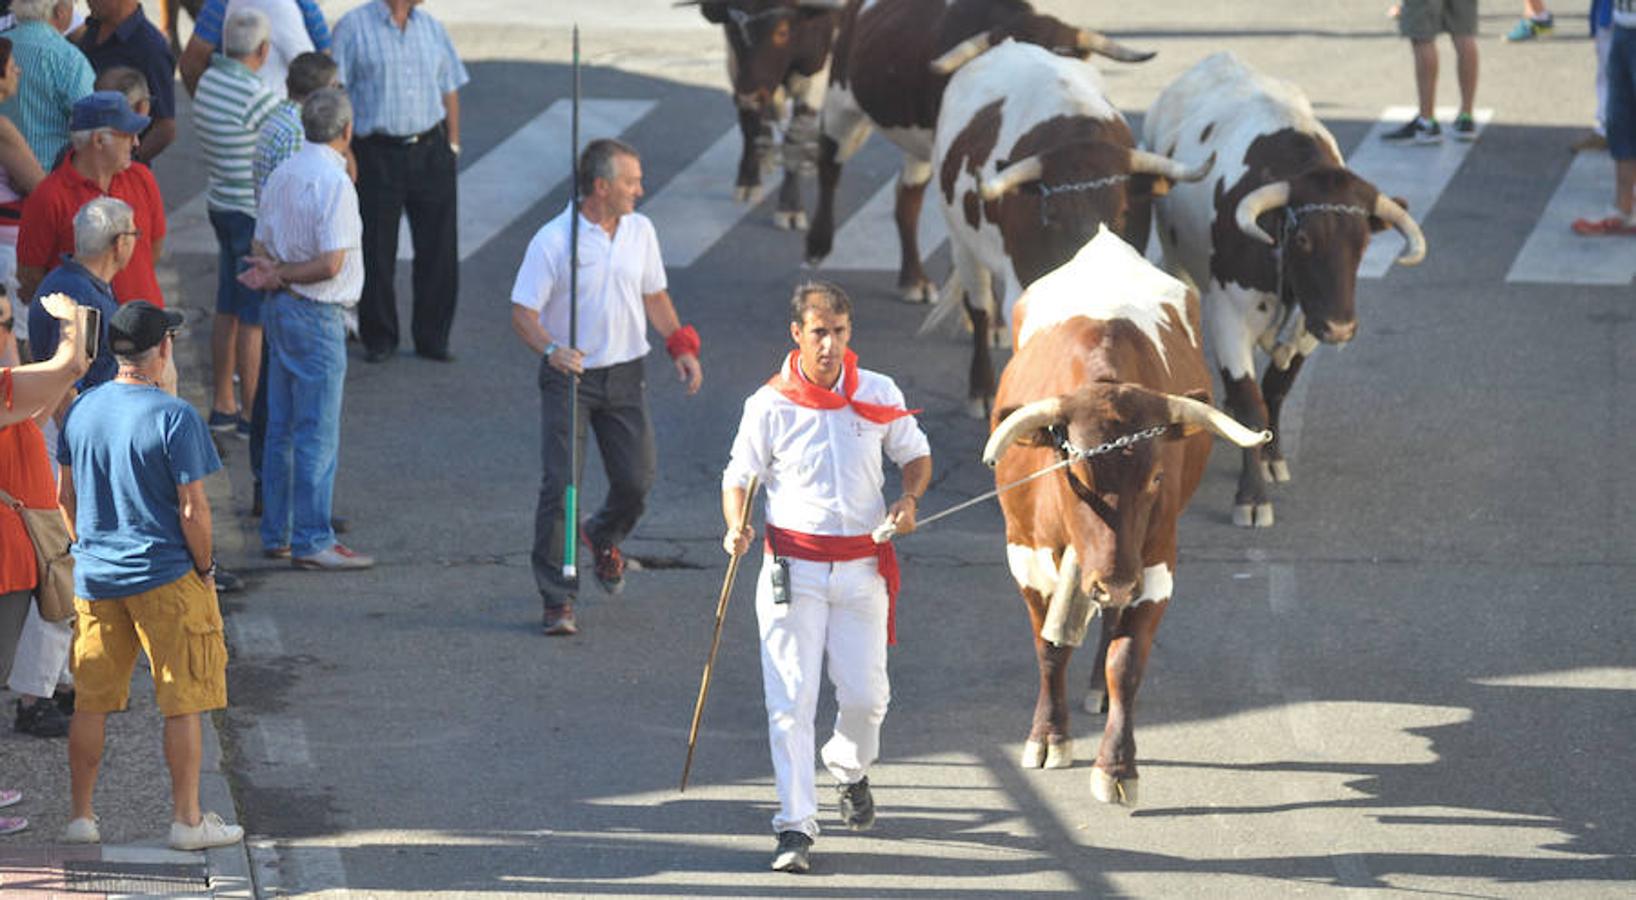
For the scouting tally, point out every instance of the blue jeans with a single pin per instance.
(306, 343)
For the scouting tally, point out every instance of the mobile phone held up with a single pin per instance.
(91, 330)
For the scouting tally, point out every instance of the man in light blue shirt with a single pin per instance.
(403, 75)
(55, 75)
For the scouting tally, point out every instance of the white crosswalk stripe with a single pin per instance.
(494, 191)
(1418, 174)
(869, 238)
(695, 209)
(1553, 254)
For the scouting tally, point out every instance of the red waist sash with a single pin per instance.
(835, 548)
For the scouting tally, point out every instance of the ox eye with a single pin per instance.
(1302, 242)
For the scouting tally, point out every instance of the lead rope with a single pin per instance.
(885, 532)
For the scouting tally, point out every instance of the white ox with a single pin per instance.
(1272, 240)
(1031, 159)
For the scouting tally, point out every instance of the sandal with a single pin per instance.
(1610, 225)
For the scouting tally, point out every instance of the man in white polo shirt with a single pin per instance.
(309, 254)
(621, 290)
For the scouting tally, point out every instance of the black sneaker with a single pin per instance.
(1465, 128)
(857, 805)
(227, 582)
(559, 621)
(792, 853)
(608, 566)
(42, 719)
(1416, 130)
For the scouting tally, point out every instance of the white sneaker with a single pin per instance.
(82, 831)
(336, 558)
(210, 832)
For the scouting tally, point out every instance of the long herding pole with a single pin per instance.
(715, 640)
(570, 500)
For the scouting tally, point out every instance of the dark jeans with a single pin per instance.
(419, 178)
(612, 405)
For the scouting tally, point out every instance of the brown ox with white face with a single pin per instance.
(1273, 239)
(883, 77)
(1108, 374)
(777, 55)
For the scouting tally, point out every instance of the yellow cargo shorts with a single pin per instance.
(179, 625)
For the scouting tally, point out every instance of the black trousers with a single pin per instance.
(611, 404)
(419, 178)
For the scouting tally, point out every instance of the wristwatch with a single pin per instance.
(207, 574)
(551, 348)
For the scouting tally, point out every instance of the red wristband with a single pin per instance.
(684, 341)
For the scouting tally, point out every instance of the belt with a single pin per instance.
(836, 548)
(394, 140)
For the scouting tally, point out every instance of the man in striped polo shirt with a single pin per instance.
(55, 75)
(228, 112)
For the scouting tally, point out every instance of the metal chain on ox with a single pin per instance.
(1071, 455)
(1047, 190)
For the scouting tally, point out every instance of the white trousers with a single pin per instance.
(43, 648)
(838, 611)
(41, 662)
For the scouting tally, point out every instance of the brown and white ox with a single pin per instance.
(1273, 239)
(882, 77)
(777, 55)
(1107, 348)
(1031, 159)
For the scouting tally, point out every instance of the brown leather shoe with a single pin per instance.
(559, 621)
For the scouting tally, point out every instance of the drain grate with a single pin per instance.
(100, 877)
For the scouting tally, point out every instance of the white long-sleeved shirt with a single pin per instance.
(822, 467)
(309, 208)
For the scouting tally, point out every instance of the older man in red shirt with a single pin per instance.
(104, 131)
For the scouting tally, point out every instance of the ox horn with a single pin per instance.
(1143, 162)
(1187, 411)
(1030, 417)
(1396, 216)
(1099, 43)
(1010, 178)
(962, 53)
(1258, 201)
(822, 4)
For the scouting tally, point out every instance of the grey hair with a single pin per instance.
(244, 32)
(98, 224)
(34, 10)
(80, 138)
(325, 115)
(597, 161)
(814, 293)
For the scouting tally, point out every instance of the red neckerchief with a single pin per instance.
(836, 548)
(792, 383)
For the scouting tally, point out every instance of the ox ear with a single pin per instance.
(1376, 223)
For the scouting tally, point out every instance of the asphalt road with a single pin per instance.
(1420, 680)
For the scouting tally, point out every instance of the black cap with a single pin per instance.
(139, 325)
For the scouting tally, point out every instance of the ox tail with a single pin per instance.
(947, 306)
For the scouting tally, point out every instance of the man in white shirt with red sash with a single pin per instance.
(814, 436)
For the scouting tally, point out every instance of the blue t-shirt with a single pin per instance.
(86, 289)
(130, 446)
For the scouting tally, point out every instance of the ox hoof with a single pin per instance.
(790, 221)
(742, 194)
(924, 292)
(1096, 702)
(1114, 791)
(1275, 470)
(1033, 755)
(1048, 754)
(1256, 516)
